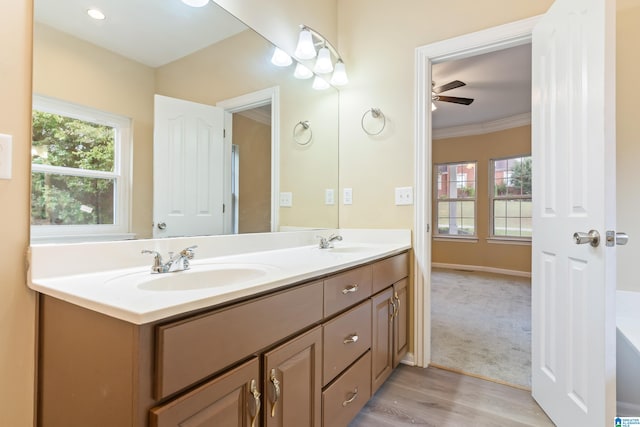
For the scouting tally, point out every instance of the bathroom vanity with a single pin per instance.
(305, 347)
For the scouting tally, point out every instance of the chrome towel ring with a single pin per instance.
(301, 128)
(376, 113)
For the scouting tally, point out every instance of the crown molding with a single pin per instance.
(482, 128)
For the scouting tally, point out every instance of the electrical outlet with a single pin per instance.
(329, 198)
(404, 195)
(5, 156)
(286, 199)
(347, 196)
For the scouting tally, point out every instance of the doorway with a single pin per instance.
(481, 247)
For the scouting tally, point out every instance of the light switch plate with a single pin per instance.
(347, 196)
(6, 141)
(286, 199)
(329, 198)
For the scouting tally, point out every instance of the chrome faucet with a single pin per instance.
(327, 242)
(178, 262)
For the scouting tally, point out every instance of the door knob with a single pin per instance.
(619, 238)
(592, 237)
(162, 225)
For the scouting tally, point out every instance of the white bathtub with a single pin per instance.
(628, 353)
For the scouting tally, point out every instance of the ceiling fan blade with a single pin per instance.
(455, 100)
(451, 85)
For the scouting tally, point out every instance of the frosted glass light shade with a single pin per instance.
(339, 77)
(305, 48)
(302, 72)
(323, 63)
(433, 106)
(195, 3)
(320, 84)
(281, 58)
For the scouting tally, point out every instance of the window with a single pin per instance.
(79, 164)
(511, 197)
(455, 202)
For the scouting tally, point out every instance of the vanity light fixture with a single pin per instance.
(96, 14)
(196, 3)
(281, 58)
(308, 41)
(320, 84)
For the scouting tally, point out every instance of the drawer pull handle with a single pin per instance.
(253, 389)
(350, 289)
(353, 338)
(276, 392)
(397, 304)
(393, 309)
(352, 398)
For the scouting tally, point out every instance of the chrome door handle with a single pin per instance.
(592, 237)
(162, 225)
(614, 238)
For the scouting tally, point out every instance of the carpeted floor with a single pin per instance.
(481, 324)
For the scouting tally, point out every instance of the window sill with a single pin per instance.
(459, 239)
(509, 241)
(83, 238)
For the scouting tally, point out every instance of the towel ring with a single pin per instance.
(376, 113)
(298, 129)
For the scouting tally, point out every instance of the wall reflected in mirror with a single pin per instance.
(81, 61)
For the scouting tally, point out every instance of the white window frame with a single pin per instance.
(121, 175)
(493, 197)
(474, 199)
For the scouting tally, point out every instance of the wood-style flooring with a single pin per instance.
(439, 398)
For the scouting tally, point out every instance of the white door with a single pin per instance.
(573, 286)
(188, 168)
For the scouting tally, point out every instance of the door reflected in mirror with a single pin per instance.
(117, 67)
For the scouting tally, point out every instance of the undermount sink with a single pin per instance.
(349, 249)
(204, 276)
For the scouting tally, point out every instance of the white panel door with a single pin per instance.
(188, 168)
(573, 286)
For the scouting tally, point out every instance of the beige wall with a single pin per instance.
(70, 69)
(481, 149)
(254, 151)
(17, 302)
(628, 142)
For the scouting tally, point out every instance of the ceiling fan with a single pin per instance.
(436, 91)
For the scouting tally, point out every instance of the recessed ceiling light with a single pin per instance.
(95, 14)
(195, 3)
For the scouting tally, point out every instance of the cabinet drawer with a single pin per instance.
(226, 400)
(347, 396)
(346, 289)
(345, 338)
(190, 350)
(389, 271)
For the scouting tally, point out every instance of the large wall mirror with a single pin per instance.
(204, 56)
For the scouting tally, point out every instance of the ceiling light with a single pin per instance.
(305, 49)
(339, 77)
(195, 3)
(320, 84)
(433, 106)
(96, 14)
(302, 72)
(323, 63)
(281, 58)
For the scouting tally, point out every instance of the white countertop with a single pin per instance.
(110, 277)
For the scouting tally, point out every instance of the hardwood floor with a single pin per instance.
(440, 398)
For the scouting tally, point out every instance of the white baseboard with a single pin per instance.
(481, 268)
(409, 359)
(627, 409)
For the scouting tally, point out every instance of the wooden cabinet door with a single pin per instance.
(401, 321)
(382, 338)
(230, 400)
(292, 379)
